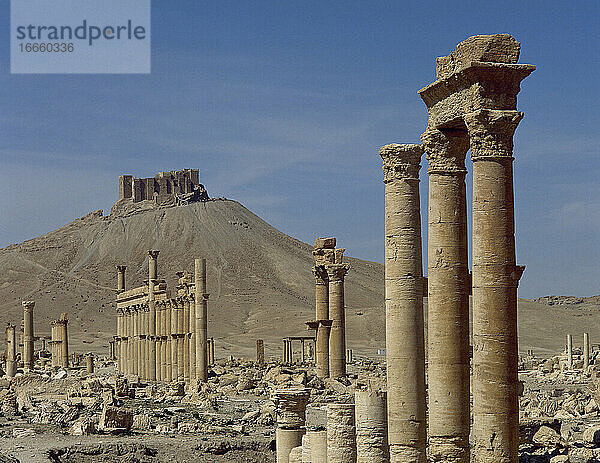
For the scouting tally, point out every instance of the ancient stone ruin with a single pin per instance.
(174, 187)
(160, 336)
(330, 316)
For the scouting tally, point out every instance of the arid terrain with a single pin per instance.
(259, 279)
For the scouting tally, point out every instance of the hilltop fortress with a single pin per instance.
(174, 187)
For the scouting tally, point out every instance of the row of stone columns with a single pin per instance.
(356, 433)
(330, 311)
(163, 339)
(484, 119)
(585, 351)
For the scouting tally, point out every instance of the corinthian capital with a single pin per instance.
(401, 162)
(446, 149)
(337, 271)
(491, 132)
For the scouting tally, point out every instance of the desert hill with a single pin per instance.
(259, 279)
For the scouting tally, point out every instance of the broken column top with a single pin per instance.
(325, 243)
(496, 48)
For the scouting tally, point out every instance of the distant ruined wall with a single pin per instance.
(163, 186)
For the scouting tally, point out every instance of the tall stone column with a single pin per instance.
(119, 341)
(260, 352)
(64, 338)
(495, 281)
(152, 264)
(448, 297)
(121, 278)
(174, 357)
(201, 303)
(570, 351)
(405, 349)
(290, 417)
(337, 314)
(586, 352)
(28, 336)
(322, 313)
(89, 363)
(11, 351)
(211, 351)
(139, 367)
(186, 339)
(341, 433)
(192, 337)
(180, 342)
(371, 427)
(168, 375)
(129, 343)
(152, 338)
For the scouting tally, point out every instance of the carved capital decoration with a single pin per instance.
(446, 150)
(491, 132)
(401, 162)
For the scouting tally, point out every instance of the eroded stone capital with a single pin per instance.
(401, 162)
(336, 272)
(121, 268)
(290, 406)
(28, 305)
(320, 274)
(492, 132)
(153, 253)
(446, 150)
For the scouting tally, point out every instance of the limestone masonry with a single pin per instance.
(176, 186)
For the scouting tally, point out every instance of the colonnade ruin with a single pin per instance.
(330, 312)
(59, 343)
(161, 337)
(421, 410)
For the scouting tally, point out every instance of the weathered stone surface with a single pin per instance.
(405, 350)
(341, 433)
(497, 48)
(324, 243)
(115, 419)
(547, 437)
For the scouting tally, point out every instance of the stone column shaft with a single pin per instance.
(371, 427)
(11, 351)
(174, 345)
(185, 341)
(211, 352)
(28, 336)
(322, 313)
(64, 338)
(570, 351)
(290, 419)
(201, 303)
(180, 344)
(341, 433)
(192, 339)
(448, 297)
(337, 314)
(89, 364)
(405, 349)
(152, 322)
(260, 351)
(495, 280)
(121, 278)
(168, 345)
(586, 351)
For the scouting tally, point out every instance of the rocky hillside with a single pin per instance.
(259, 279)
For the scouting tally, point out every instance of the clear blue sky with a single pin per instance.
(284, 105)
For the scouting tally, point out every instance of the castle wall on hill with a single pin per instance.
(162, 185)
